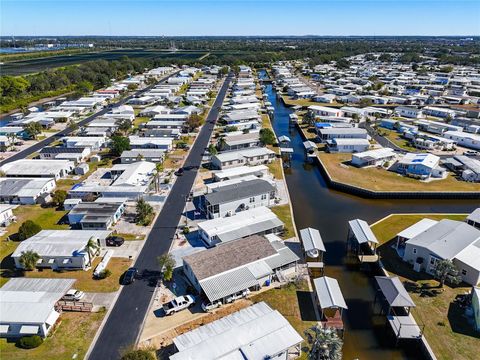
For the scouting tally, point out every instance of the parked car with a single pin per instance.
(179, 172)
(209, 306)
(73, 295)
(115, 241)
(471, 153)
(129, 276)
(238, 295)
(178, 304)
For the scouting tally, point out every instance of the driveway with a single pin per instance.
(100, 299)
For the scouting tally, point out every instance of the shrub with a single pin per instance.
(104, 274)
(186, 230)
(138, 355)
(28, 229)
(30, 342)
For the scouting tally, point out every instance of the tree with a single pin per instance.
(33, 129)
(267, 137)
(144, 212)
(84, 87)
(193, 122)
(28, 259)
(212, 149)
(125, 126)
(29, 342)
(325, 344)
(58, 197)
(28, 229)
(343, 64)
(119, 145)
(221, 144)
(309, 118)
(167, 264)
(138, 355)
(72, 124)
(445, 270)
(92, 248)
(132, 87)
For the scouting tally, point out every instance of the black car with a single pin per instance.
(129, 276)
(115, 241)
(179, 172)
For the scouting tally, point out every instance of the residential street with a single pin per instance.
(41, 144)
(123, 325)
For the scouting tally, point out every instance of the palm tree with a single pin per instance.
(28, 259)
(325, 344)
(92, 249)
(446, 270)
(309, 118)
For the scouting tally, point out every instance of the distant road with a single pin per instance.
(125, 320)
(28, 66)
(41, 144)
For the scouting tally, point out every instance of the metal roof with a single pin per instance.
(255, 227)
(228, 283)
(312, 240)
(238, 191)
(329, 293)
(474, 216)
(283, 257)
(24, 300)
(447, 238)
(255, 333)
(362, 231)
(417, 228)
(394, 292)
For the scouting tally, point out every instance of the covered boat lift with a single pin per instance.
(399, 303)
(362, 241)
(310, 150)
(331, 301)
(314, 249)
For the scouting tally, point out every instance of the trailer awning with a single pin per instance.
(29, 330)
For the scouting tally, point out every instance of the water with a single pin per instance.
(317, 206)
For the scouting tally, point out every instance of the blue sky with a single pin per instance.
(228, 17)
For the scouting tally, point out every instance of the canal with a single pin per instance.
(317, 206)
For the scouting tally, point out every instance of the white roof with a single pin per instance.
(417, 228)
(362, 231)
(26, 167)
(137, 140)
(342, 142)
(24, 300)
(324, 109)
(137, 173)
(447, 238)
(240, 170)
(253, 333)
(470, 255)
(329, 293)
(311, 239)
(428, 160)
(59, 242)
(475, 215)
(375, 153)
(244, 218)
(233, 155)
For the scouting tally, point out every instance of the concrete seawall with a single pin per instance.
(372, 194)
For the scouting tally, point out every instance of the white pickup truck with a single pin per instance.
(178, 304)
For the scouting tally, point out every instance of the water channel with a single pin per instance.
(317, 206)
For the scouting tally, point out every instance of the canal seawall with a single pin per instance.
(373, 194)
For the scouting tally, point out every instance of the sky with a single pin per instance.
(248, 17)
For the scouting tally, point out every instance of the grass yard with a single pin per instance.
(395, 138)
(446, 330)
(285, 215)
(286, 300)
(386, 229)
(139, 120)
(85, 281)
(73, 335)
(47, 218)
(275, 168)
(382, 180)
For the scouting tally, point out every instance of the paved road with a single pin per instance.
(41, 144)
(123, 325)
(381, 139)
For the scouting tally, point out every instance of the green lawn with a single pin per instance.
(395, 138)
(446, 329)
(139, 120)
(85, 280)
(275, 168)
(388, 228)
(73, 335)
(284, 214)
(376, 179)
(47, 218)
(286, 300)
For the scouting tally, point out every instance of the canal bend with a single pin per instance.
(317, 206)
